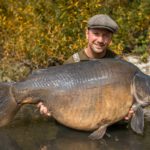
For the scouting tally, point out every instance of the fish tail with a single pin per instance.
(8, 105)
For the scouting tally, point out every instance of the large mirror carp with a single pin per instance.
(86, 96)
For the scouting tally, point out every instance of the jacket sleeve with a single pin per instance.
(69, 60)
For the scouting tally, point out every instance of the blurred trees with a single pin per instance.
(38, 33)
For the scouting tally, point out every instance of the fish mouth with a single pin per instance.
(140, 89)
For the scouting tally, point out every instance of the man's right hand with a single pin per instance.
(43, 109)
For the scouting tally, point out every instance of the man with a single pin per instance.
(99, 36)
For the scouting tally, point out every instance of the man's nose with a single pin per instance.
(100, 38)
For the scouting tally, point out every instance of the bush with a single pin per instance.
(37, 34)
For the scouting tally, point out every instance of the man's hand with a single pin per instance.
(43, 109)
(129, 115)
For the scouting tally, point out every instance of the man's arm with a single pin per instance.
(69, 60)
(73, 59)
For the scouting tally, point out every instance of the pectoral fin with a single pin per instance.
(99, 133)
(137, 121)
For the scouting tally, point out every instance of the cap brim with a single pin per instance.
(102, 27)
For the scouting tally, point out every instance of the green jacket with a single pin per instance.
(81, 56)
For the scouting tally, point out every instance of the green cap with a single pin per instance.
(104, 22)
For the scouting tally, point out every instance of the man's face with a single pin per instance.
(98, 39)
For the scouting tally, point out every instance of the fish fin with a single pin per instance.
(31, 100)
(99, 133)
(137, 121)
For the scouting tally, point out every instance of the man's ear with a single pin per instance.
(110, 42)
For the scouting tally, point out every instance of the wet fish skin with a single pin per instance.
(87, 96)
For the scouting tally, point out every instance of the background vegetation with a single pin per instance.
(38, 33)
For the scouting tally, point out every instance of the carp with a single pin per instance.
(87, 96)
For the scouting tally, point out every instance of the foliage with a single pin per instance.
(38, 33)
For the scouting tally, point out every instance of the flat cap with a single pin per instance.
(104, 22)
